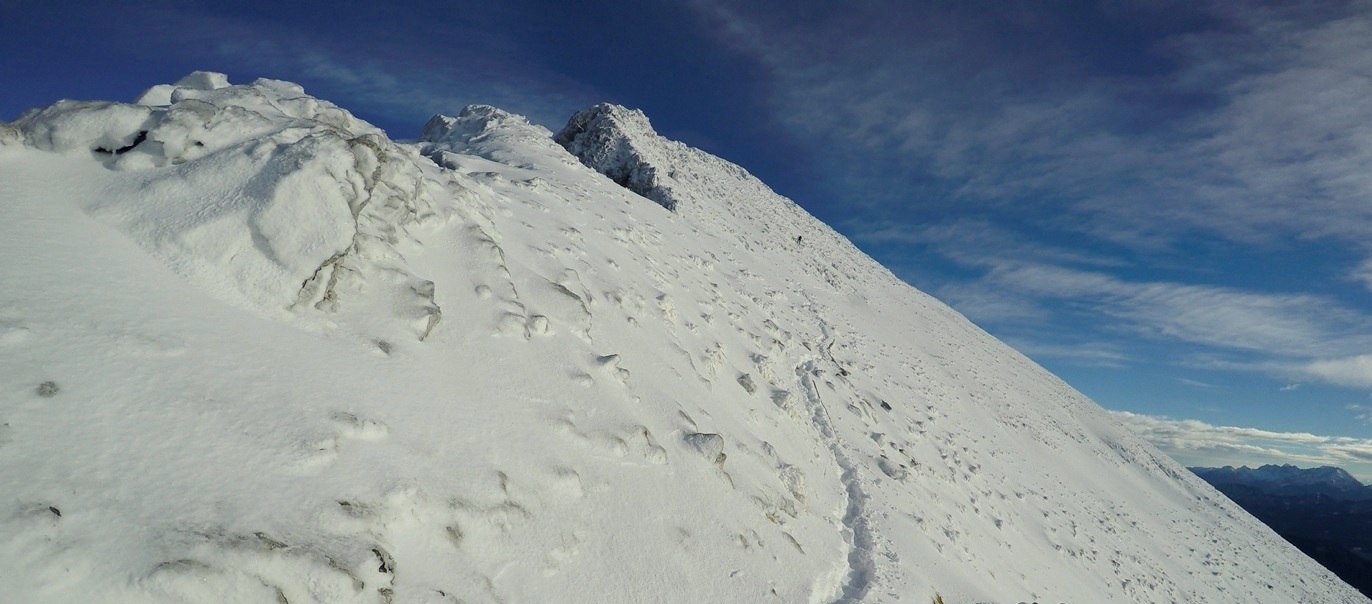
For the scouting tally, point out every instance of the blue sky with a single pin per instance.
(1166, 203)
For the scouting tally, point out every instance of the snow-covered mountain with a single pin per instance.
(252, 350)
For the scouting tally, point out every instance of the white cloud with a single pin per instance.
(1196, 443)
(1197, 383)
(1277, 144)
(1361, 412)
(976, 242)
(1049, 311)
(1281, 325)
(1353, 371)
(1360, 451)
(1363, 273)
(1091, 354)
(990, 304)
(1291, 137)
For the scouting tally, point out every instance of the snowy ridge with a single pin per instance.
(714, 195)
(248, 395)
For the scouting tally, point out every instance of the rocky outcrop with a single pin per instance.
(601, 137)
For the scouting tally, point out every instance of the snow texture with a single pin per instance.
(224, 378)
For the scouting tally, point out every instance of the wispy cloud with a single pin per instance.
(976, 242)
(1288, 336)
(1197, 383)
(1196, 443)
(1354, 371)
(1362, 412)
(1247, 126)
(1290, 325)
(1363, 274)
(1093, 354)
(993, 304)
(1256, 130)
(1291, 136)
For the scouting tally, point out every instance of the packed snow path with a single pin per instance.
(253, 350)
(856, 526)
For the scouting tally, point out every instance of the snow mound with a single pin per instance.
(727, 402)
(10, 135)
(476, 123)
(267, 197)
(488, 132)
(162, 94)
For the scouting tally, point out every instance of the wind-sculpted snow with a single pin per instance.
(726, 402)
(327, 200)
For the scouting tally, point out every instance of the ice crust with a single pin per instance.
(225, 380)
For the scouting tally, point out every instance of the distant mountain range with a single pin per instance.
(1289, 480)
(1325, 512)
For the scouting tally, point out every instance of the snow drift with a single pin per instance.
(255, 351)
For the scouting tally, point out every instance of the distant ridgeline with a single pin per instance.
(1325, 512)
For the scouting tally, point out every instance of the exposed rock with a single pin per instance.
(598, 137)
(710, 446)
(48, 389)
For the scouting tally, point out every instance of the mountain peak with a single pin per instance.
(472, 121)
(630, 122)
(618, 142)
(477, 126)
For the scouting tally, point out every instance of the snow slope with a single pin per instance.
(252, 350)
